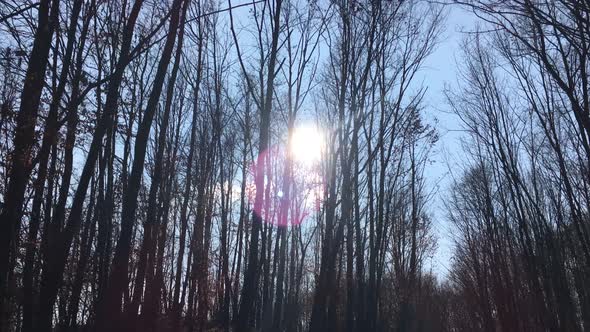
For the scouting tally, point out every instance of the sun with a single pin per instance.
(307, 144)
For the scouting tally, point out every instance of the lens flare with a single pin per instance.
(290, 197)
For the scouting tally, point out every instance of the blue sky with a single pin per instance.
(440, 71)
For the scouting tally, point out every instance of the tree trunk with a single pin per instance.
(118, 278)
(21, 158)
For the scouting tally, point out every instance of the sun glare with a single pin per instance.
(307, 144)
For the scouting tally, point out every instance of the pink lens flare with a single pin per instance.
(290, 196)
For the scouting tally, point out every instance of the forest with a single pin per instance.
(266, 165)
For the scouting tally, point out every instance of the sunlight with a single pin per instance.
(307, 144)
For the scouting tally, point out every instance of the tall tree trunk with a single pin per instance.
(250, 289)
(49, 139)
(118, 278)
(21, 158)
(178, 305)
(148, 245)
(52, 276)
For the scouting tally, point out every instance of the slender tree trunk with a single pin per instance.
(151, 214)
(49, 139)
(178, 305)
(118, 278)
(52, 276)
(250, 288)
(21, 158)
